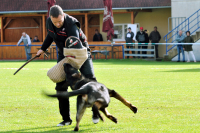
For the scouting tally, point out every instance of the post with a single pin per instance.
(2, 29)
(188, 24)
(86, 25)
(132, 18)
(44, 27)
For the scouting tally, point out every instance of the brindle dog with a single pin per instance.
(90, 93)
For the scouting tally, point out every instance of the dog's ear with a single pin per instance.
(76, 75)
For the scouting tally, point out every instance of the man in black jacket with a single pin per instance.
(142, 37)
(97, 36)
(59, 27)
(155, 38)
(129, 39)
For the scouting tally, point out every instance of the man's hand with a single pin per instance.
(40, 52)
(17, 44)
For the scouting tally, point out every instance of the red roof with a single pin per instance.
(84, 5)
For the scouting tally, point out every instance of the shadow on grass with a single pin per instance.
(185, 70)
(59, 129)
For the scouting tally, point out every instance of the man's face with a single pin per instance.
(129, 30)
(96, 32)
(180, 33)
(155, 29)
(24, 34)
(141, 30)
(35, 38)
(59, 21)
(188, 34)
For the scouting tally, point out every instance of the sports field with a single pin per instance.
(167, 95)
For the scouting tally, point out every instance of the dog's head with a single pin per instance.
(72, 75)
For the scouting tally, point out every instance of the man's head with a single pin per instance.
(96, 31)
(155, 28)
(180, 32)
(36, 37)
(141, 28)
(57, 16)
(188, 33)
(24, 34)
(129, 29)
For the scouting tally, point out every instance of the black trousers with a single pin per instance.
(143, 52)
(156, 48)
(88, 71)
(127, 52)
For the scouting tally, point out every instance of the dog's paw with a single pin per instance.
(76, 129)
(134, 109)
(112, 118)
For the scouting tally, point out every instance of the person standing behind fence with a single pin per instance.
(27, 42)
(155, 38)
(188, 48)
(36, 39)
(141, 37)
(180, 39)
(129, 39)
(97, 36)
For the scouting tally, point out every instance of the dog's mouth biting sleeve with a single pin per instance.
(74, 56)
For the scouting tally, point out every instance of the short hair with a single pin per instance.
(96, 30)
(55, 11)
(187, 32)
(155, 27)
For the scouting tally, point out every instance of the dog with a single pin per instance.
(90, 93)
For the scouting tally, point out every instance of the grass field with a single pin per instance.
(167, 95)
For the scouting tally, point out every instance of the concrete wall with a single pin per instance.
(158, 17)
(185, 8)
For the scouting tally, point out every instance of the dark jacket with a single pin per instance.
(129, 37)
(96, 38)
(154, 37)
(188, 39)
(69, 23)
(147, 38)
(141, 37)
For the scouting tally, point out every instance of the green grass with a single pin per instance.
(167, 95)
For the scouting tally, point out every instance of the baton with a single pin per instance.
(29, 61)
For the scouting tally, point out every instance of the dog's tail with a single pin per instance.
(60, 95)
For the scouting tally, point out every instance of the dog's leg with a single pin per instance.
(108, 115)
(96, 108)
(114, 94)
(81, 106)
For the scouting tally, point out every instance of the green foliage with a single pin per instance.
(166, 93)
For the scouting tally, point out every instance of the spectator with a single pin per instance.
(129, 39)
(155, 38)
(27, 42)
(188, 48)
(147, 39)
(141, 37)
(36, 39)
(97, 36)
(180, 39)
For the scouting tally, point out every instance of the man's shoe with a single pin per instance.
(95, 119)
(63, 123)
(178, 61)
(183, 61)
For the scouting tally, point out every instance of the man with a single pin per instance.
(27, 42)
(59, 27)
(141, 37)
(36, 39)
(129, 39)
(180, 39)
(155, 38)
(97, 36)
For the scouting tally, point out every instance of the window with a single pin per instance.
(120, 31)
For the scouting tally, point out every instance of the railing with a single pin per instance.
(191, 24)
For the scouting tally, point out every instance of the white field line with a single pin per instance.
(16, 68)
(175, 68)
(101, 68)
